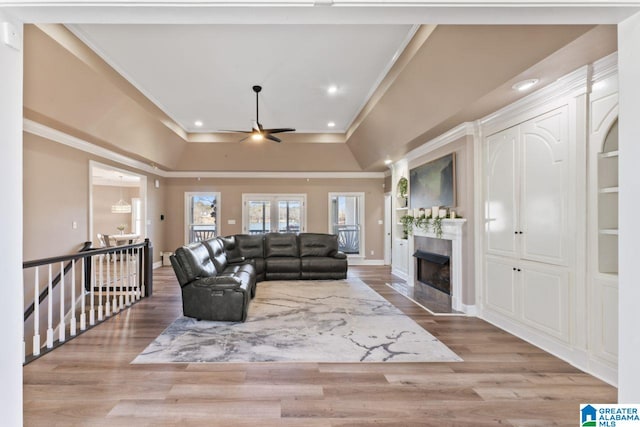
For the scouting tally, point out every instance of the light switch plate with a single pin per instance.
(380, 222)
(231, 222)
(10, 35)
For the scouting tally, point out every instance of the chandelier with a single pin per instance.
(121, 206)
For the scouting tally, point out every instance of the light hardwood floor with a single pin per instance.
(502, 380)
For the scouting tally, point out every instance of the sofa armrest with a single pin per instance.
(219, 282)
(237, 260)
(340, 255)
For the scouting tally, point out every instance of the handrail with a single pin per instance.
(86, 254)
(45, 292)
(85, 299)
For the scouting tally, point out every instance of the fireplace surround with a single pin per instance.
(450, 245)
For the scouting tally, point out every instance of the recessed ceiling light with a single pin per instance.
(525, 84)
(388, 161)
(198, 123)
(332, 90)
(331, 124)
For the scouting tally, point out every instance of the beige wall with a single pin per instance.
(317, 204)
(463, 149)
(56, 193)
(105, 221)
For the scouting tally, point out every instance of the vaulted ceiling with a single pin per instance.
(139, 89)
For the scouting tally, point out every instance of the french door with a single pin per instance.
(346, 218)
(201, 216)
(264, 213)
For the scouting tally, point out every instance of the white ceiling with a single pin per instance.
(205, 72)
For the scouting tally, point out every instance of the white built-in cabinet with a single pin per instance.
(399, 247)
(603, 225)
(400, 256)
(549, 266)
(527, 190)
(527, 229)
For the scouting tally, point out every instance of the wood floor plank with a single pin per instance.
(502, 379)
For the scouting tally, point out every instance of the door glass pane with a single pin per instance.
(289, 214)
(202, 217)
(345, 212)
(259, 216)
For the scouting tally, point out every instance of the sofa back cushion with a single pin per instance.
(281, 245)
(195, 261)
(230, 247)
(250, 246)
(217, 254)
(315, 244)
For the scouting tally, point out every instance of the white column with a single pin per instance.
(11, 303)
(629, 207)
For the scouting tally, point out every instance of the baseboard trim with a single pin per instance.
(576, 357)
(402, 275)
(360, 261)
(470, 310)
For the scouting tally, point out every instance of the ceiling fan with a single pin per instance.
(258, 132)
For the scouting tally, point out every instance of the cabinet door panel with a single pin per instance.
(545, 188)
(545, 300)
(500, 290)
(400, 256)
(501, 184)
(605, 320)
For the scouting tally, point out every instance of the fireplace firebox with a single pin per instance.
(433, 270)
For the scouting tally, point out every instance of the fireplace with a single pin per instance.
(441, 291)
(433, 270)
(432, 266)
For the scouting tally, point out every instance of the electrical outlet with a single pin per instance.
(74, 225)
(371, 252)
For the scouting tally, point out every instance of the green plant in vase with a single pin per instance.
(407, 225)
(403, 188)
(121, 228)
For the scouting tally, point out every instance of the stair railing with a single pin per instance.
(89, 287)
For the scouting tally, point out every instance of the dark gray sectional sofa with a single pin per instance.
(218, 276)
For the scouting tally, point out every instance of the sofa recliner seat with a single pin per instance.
(208, 294)
(218, 276)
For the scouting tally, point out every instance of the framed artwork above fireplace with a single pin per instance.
(434, 183)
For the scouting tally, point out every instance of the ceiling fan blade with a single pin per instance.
(279, 130)
(235, 131)
(273, 138)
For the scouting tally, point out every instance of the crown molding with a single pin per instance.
(570, 85)
(63, 138)
(268, 175)
(605, 67)
(55, 135)
(460, 131)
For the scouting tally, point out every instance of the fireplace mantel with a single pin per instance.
(451, 230)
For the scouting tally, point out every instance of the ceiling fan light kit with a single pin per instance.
(258, 133)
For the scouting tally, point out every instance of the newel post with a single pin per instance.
(148, 268)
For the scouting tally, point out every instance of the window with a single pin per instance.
(346, 218)
(201, 216)
(264, 213)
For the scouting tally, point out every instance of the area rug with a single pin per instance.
(303, 321)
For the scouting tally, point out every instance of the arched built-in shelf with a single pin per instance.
(608, 203)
